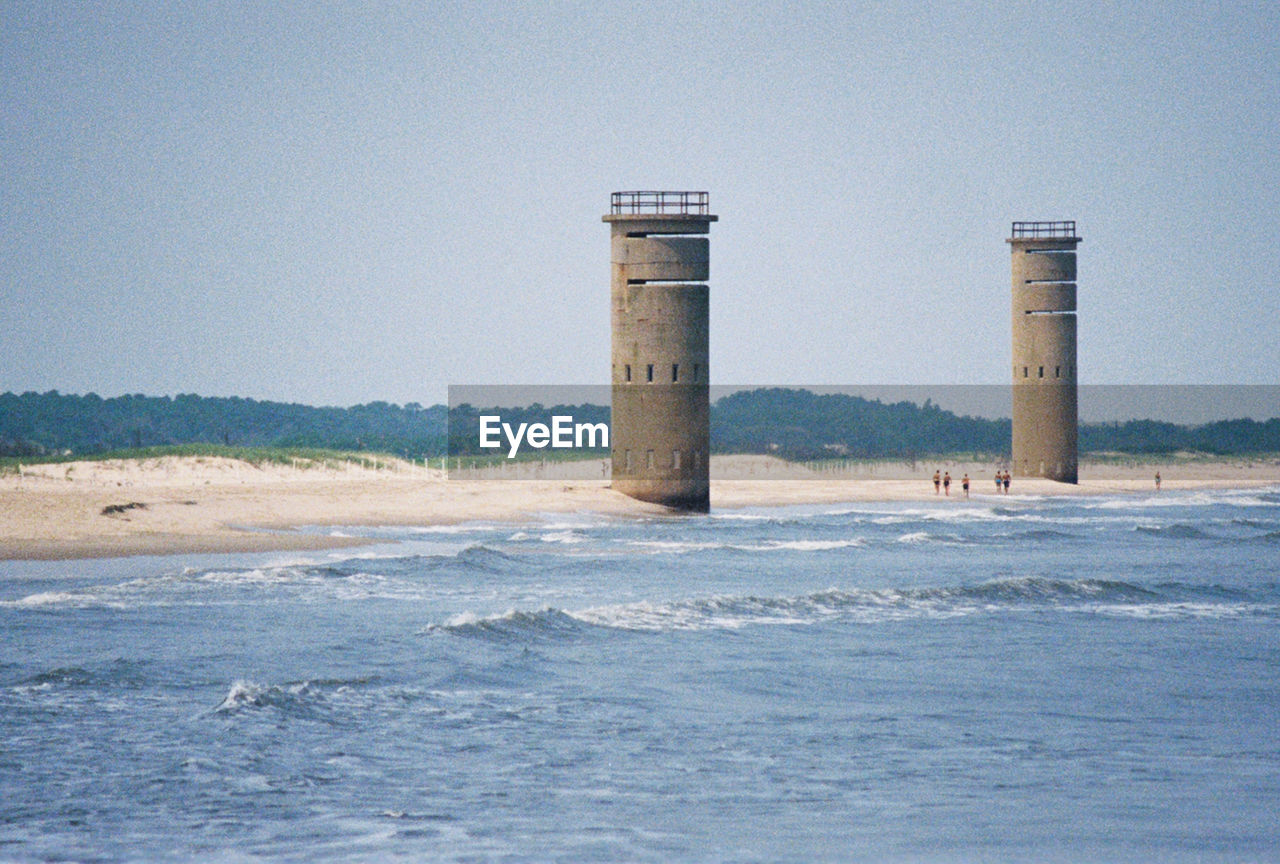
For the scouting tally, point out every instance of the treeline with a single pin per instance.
(794, 424)
(799, 424)
(33, 424)
(1223, 437)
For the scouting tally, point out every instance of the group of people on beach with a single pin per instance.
(942, 483)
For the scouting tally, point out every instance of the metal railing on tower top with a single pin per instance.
(683, 203)
(1044, 229)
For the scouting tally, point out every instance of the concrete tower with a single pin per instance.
(660, 430)
(1044, 350)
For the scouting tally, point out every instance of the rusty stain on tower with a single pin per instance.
(660, 429)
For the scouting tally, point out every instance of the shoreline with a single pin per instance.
(197, 505)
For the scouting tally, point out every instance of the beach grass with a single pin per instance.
(1179, 457)
(298, 457)
(315, 457)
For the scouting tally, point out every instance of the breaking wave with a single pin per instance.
(1177, 530)
(63, 676)
(567, 536)
(1256, 523)
(357, 578)
(1230, 498)
(1045, 534)
(74, 599)
(484, 558)
(311, 700)
(120, 673)
(763, 546)
(513, 624)
(916, 537)
(249, 696)
(728, 612)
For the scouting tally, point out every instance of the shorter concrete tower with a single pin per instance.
(1044, 350)
(661, 423)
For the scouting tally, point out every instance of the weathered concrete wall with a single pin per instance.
(1045, 408)
(662, 259)
(661, 432)
(1044, 431)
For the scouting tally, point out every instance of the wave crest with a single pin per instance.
(731, 612)
(303, 700)
(1176, 530)
(679, 546)
(514, 624)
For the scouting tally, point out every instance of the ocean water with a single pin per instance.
(1005, 679)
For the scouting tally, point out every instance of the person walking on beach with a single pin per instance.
(1157, 481)
(1006, 481)
(964, 484)
(999, 481)
(946, 484)
(937, 481)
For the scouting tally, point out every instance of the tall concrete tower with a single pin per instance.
(661, 429)
(1044, 350)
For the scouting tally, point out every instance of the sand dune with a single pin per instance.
(205, 504)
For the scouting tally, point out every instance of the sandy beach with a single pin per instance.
(201, 504)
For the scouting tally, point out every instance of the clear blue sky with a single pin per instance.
(337, 203)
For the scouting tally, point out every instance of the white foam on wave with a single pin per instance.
(467, 619)
(734, 613)
(958, 514)
(677, 546)
(304, 579)
(282, 561)
(326, 559)
(868, 606)
(546, 619)
(917, 537)
(328, 585)
(76, 599)
(809, 545)
(250, 694)
(647, 616)
(574, 526)
(569, 537)
(854, 511)
(674, 545)
(1228, 497)
(1132, 503)
(271, 577)
(1185, 610)
(242, 693)
(44, 598)
(307, 698)
(743, 517)
(665, 617)
(463, 528)
(258, 576)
